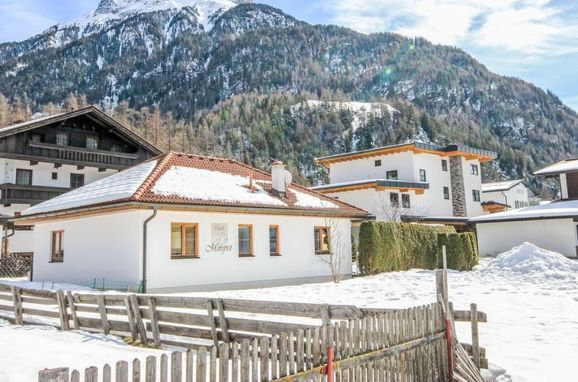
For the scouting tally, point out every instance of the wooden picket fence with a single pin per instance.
(405, 345)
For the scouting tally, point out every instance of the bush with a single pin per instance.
(461, 250)
(388, 246)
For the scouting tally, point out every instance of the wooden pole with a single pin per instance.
(54, 375)
(17, 305)
(475, 335)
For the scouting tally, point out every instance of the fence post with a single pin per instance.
(102, 311)
(138, 319)
(61, 374)
(17, 305)
(154, 319)
(75, 320)
(475, 334)
(63, 310)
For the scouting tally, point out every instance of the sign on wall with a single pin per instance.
(219, 239)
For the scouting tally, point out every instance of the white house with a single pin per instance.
(507, 194)
(415, 179)
(185, 222)
(553, 226)
(46, 157)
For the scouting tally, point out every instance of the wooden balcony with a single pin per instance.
(26, 194)
(80, 156)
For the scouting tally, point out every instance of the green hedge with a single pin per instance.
(461, 250)
(389, 247)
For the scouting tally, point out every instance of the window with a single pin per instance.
(394, 199)
(91, 142)
(184, 240)
(54, 176)
(115, 148)
(405, 203)
(444, 165)
(23, 177)
(274, 240)
(56, 249)
(422, 176)
(475, 169)
(391, 175)
(36, 138)
(378, 163)
(322, 237)
(446, 193)
(245, 240)
(476, 195)
(61, 138)
(76, 180)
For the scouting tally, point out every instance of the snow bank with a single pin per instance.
(529, 259)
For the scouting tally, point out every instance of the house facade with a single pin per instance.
(553, 226)
(183, 222)
(46, 157)
(509, 194)
(409, 180)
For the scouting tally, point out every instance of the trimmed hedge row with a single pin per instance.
(461, 250)
(390, 247)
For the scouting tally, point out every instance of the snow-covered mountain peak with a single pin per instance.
(115, 10)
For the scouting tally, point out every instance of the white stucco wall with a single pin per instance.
(472, 182)
(518, 193)
(365, 168)
(557, 235)
(110, 247)
(41, 176)
(408, 165)
(105, 246)
(227, 270)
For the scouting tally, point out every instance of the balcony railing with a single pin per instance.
(28, 194)
(82, 156)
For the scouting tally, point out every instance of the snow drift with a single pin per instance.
(529, 259)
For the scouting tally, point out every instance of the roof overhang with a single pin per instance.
(377, 184)
(416, 147)
(91, 112)
(106, 208)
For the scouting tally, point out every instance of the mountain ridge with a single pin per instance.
(165, 59)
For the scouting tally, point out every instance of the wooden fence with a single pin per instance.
(200, 323)
(408, 345)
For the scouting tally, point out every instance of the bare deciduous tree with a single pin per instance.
(339, 255)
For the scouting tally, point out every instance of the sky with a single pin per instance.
(536, 40)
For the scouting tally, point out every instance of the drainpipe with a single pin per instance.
(144, 249)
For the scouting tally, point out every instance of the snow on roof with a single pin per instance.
(34, 120)
(116, 187)
(557, 209)
(568, 165)
(309, 200)
(500, 186)
(211, 185)
(184, 179)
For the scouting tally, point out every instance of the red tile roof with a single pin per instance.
(146, 194)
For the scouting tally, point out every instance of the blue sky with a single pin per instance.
(536, 40)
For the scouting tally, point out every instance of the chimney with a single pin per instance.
(278, 178)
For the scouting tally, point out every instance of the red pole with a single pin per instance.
(450, 349)
(329, 364)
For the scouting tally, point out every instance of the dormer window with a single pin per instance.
(91, 142)
(62, 138)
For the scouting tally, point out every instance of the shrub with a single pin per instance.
(461, 250)
(388, 246)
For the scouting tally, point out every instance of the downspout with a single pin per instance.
(144, 249)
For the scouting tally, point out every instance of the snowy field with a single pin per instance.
(530, 296)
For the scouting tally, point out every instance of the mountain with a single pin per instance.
(191, 57)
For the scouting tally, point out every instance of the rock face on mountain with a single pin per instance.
(188, 56)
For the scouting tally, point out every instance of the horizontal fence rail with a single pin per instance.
(359, 336)
(408, 345)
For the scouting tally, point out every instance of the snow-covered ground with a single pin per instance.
(29, 349)
(529, 294)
